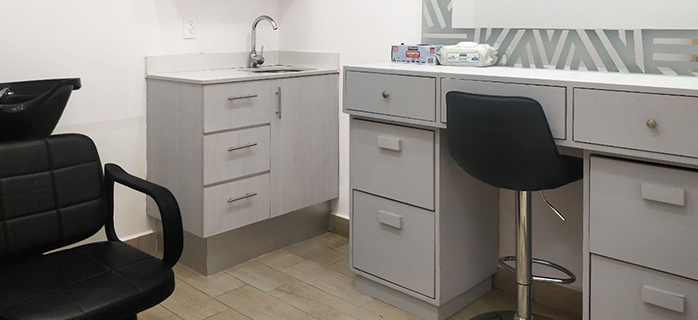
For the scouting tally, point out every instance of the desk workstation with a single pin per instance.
(413, 226)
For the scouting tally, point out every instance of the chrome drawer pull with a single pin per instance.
(244, 146)
(651, 123)
(246, 196)
(249, 96)
(385, 94)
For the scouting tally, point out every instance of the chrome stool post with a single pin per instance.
(524, 265)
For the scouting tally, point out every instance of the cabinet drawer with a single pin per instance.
(231, 155)
(620, 119)
(406, 96)
(230, 106)
(625, 291)
(393, 161)
(552, 99)
(235, 204)
(395, 242)
(645, 214)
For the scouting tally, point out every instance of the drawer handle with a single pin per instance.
(390, 219)
(247, 96)
(389, 143)
(385, 94)
(665, 299)
(651, 123)
(246, 196)
(664, 194)
(244, 146)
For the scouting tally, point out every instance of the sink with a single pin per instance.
(276, 69)
(31, 109)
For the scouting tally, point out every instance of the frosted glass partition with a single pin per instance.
(576, 14)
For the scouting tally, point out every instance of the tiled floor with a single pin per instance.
(309, 280)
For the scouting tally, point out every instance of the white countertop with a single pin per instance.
(673, 83)
(215, 68)
(216, 76)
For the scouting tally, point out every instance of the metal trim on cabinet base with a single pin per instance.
(504, 315)
(220, 252)
(418, 307)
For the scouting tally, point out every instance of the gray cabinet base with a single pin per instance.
(418, 307)
(220, 252)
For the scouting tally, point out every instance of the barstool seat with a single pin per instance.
(506, 142)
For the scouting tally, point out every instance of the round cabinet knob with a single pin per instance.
(385, 94)
(651, 123)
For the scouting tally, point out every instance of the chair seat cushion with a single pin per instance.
(104, 280)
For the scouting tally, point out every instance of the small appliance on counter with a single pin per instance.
(416, 54)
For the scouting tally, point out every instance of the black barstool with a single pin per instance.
(506, 142)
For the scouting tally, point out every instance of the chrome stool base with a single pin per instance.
(505, 315)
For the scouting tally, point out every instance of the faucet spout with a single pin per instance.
(5, 91)
(258, 59)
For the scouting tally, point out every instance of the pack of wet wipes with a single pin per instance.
(468, 54)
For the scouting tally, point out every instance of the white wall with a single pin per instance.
(105, 44)
(361, 31)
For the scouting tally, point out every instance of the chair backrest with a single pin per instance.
(51, 194)
(504, 141)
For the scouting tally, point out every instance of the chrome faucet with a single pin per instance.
(258, 59)
(5, 91)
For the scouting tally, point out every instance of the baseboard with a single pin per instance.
(339, 225)
(558, 297)
(146, 243)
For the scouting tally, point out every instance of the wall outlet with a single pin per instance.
(191, 29)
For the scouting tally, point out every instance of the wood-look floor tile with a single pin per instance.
(472, 310)
(322, 255)
(229, 314)
(259, 305)
(154, 313)
(214, 285)
(171, 317)
(318, 303)
(328, 280)
(191, 304)
(331, 240)
(259, 275)
(388, 312)
(342, 267)
(344, 248)
(280, 259)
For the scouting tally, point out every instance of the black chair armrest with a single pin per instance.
(165, 200)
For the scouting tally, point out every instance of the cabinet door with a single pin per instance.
(305, 143)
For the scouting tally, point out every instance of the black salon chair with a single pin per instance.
(506, 142)
(53, 194)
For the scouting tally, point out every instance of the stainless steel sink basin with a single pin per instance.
(276, 69)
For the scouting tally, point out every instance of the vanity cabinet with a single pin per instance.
(304, 149)
(238, 153)
(423, 232)
(640, 214)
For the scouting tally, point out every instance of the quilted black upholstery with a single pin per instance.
(53, 193)
(105, 280)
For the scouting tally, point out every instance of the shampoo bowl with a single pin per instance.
(31, 109)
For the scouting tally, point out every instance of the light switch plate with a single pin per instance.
(191, 29)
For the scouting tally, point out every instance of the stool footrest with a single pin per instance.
(572, 278)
